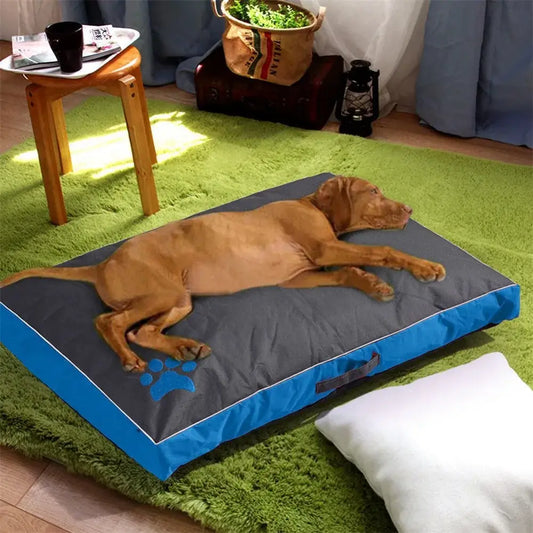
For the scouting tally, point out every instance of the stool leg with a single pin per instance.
(65, 160)
(140, 145)
(146, 117)
(42, 120)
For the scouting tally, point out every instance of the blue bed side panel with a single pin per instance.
(71, 385)
(266, 405)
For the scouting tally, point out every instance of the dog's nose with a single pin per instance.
(408, 209)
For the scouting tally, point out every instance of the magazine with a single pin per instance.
(33, 51)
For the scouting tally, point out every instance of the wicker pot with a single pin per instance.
(279, 56)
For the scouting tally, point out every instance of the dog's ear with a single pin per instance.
(333, 199)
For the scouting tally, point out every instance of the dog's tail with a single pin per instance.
(84, 273)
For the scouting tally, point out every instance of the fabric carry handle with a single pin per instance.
(320, 18)
(215, 9)
(352, 375)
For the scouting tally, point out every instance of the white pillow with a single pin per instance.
(449, 453)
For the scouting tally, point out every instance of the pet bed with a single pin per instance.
(275, 350)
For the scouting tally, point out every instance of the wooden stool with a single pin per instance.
(120, 77)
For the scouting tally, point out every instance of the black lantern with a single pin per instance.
(358, 104)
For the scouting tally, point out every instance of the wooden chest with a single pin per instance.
(306, 104)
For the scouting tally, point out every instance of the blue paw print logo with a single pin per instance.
(169, 380)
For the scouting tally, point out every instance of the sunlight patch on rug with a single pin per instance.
(171, 137)
(110, 152)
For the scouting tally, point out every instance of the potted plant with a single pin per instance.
(269, 40)
(272, 15)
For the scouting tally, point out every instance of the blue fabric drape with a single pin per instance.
(175, 34)
(476, 73)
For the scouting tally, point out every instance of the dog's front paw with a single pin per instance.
(426, 271)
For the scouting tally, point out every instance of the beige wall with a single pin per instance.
(21, 17)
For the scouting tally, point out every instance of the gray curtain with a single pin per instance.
(175, 34)
(476, 73)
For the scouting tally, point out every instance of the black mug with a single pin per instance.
(66, 41)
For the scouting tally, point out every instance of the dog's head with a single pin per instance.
(352, 204)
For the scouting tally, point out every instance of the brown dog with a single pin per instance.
(151, 278)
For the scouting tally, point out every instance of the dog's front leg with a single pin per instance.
(339, 253)
(347, 276)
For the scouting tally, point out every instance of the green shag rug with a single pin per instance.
(285, 477)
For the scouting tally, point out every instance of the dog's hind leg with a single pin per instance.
(150, 335)
(114, 325)
(348, 276)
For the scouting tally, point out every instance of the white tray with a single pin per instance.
(124, 36)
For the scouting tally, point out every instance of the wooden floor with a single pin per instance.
(41, 496)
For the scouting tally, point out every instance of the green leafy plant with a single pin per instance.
(259, 13)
